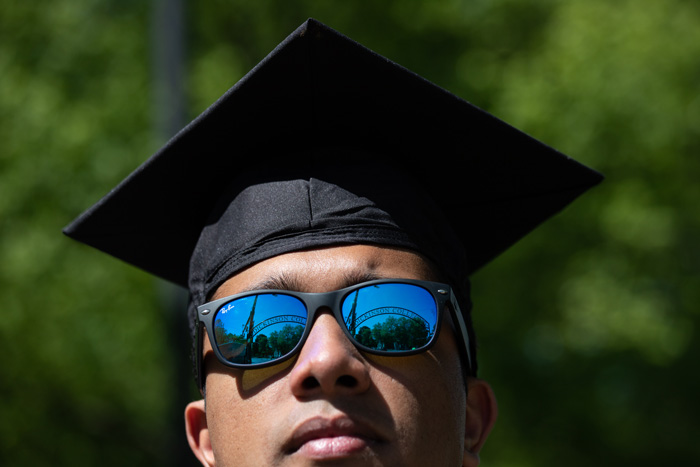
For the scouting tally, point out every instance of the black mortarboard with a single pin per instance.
(326, 142)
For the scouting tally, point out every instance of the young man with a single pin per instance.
(325, 215)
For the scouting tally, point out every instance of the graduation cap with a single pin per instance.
(323, 137)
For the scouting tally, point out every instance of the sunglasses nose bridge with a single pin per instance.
(324, 303)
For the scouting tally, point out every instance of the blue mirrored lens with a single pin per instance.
(259, 328)
(391, 317)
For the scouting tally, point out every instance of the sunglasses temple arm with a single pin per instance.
(462, 329)
(198, 362)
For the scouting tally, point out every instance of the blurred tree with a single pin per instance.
(74, 119)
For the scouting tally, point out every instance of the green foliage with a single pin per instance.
(284, 340)
(586, 327)
(396, 333)
(262, 347)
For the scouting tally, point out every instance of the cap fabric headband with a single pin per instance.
(264, 220)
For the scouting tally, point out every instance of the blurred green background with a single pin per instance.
(587, 327)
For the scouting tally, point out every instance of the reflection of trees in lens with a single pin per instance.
(364, 337)
(223, 337)
(220, 332)
(401, 333)
(284, 340)
(232, 346)
(261, 347)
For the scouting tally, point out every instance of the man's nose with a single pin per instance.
(329, 364)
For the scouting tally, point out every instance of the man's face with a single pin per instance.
(332, 404)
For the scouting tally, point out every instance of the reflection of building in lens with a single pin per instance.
(279, 319)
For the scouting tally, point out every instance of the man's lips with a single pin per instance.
(321, 437)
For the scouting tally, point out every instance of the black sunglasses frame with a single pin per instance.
(442, 294)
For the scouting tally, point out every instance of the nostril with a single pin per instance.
(310, 383)
(347, 381)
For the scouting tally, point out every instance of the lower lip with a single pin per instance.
(336, 446)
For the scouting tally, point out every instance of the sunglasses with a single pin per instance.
(394, 317)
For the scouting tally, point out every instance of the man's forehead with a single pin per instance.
(327, 269)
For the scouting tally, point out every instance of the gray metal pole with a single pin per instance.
(169, 116)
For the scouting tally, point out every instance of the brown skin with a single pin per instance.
(333, 405)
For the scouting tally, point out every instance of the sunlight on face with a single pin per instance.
(331, 402)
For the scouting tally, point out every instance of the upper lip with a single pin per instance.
(329, 427)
